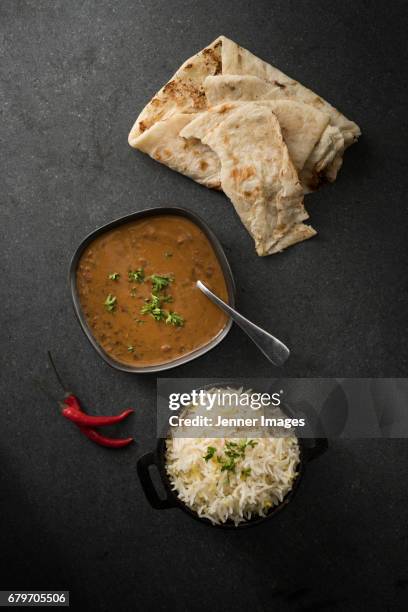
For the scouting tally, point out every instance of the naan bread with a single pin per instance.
(225, 74)
(339, 134)
(184, 92)
(189, 156)
(239, 61)
(257, 174)
(301, 125)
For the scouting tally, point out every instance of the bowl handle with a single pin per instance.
(320, 446)
(147, 484)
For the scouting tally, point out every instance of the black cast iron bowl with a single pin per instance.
(149, 212)
(309, 449)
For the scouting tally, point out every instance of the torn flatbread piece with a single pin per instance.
(239, 61)
(257, 174)
(186, 155)
(302, 126)
(184, 93)
(325, 161)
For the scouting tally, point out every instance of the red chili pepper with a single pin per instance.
(103, 440)
(74, 413)
(86, 422)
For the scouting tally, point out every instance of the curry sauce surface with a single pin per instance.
(161, 244)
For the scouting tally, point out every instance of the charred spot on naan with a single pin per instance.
(191, 143)
(240, 176)
(316, 180)
(181, 89)
(162, 154)
(252, 195)
(213, 56)
(146, 124)
(243, 174)
(224, 109)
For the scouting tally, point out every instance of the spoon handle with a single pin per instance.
(271, 347)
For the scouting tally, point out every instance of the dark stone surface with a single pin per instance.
(74, 75)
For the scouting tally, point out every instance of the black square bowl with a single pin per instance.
(150, 212)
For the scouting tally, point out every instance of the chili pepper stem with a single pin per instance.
(58, 377)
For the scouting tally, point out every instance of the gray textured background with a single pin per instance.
(74, 75)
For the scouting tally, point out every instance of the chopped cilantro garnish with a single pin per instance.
(210, 453)
(174, 319)
(154, 305)
(160, 282)
(228, 465)
(110, 303)
(233, 452)
(136, 276)
(114, 276)
(153, 308)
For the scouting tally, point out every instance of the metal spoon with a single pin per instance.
(271, 347)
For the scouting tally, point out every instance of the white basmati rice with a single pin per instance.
(261, 478)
